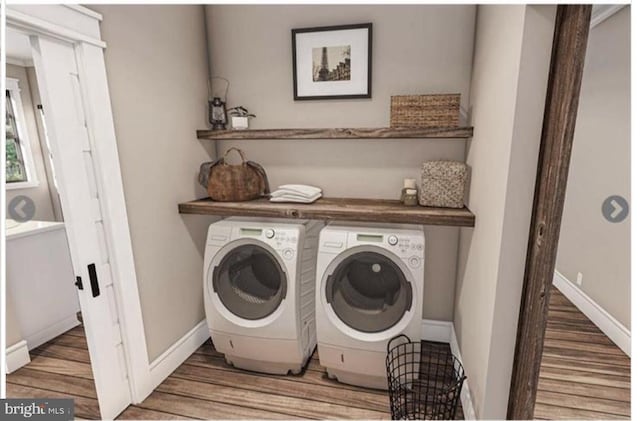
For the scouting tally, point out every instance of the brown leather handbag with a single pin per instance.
(234, 183)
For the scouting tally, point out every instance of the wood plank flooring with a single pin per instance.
(583, 374)
(204, 387)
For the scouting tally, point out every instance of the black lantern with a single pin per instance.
(218, 88)
(217, 114)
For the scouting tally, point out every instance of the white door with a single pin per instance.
(62, 98)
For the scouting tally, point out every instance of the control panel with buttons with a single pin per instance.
(414, 261)
(278, 237)
(288, 254)
(404, 241)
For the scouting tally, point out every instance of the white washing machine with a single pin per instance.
(259, 289)
(370, 283)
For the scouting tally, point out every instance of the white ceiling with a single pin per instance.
(18, 47)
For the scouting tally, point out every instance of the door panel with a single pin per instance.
(250, 282)
(368, 292)
(61, 93)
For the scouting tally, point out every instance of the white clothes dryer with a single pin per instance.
(259, 287)
(370, 285)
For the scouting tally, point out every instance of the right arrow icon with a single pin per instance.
(615, 208)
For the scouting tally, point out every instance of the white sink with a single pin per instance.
(40, 280)
(17, 229)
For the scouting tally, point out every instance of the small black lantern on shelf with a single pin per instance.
(217, 103)
(217, 114)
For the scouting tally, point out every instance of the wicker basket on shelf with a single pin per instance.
(443, 184)
(437, 110)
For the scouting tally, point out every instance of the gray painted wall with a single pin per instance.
(156, 61)
(39, 194)
(251, 46)
(511, 64)
(600, 167)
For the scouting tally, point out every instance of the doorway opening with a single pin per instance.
(585, 368)
(44, 268)
(72, 156)
(552, 325)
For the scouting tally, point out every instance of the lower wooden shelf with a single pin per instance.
(365, 210)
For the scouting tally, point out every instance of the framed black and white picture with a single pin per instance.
(332, 62)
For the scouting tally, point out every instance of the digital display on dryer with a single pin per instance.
(370, 238)
(251, 231)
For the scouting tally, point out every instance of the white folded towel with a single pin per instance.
(300, 189)
(297, 193)
(296, 198)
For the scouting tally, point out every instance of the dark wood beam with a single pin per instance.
(342, 209)
(563, 91)
(322, 134)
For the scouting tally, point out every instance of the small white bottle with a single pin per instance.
(409, 184)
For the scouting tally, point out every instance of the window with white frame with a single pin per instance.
(20, 171)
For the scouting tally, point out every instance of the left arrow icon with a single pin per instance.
(21, 208)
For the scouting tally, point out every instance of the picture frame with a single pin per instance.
(332, 62)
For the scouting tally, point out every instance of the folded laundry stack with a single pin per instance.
(296, 193)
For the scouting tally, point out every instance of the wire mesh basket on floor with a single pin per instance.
(424, 382)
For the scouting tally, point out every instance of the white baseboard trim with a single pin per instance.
(52, 331)
(611, 327)
(17, 356)
(440, 331)
(172, 358)
(465, 394)
(436, 330)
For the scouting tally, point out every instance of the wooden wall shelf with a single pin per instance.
(366, 210)
(364, 133)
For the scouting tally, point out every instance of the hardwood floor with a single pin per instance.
(204, 387)
(583, 375)
(59, 369)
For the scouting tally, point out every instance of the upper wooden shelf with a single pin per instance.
(366, 210)
(364, 133)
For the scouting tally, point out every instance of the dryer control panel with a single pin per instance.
(409, 245)
(406, 244)
(283, 239)
(397, 242)
(279, 235)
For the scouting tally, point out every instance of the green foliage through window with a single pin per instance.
(16, 171)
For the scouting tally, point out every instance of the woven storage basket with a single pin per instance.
(443, 184)
(441, 110)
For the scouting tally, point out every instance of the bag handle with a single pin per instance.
(262, 175)
(400, 336)
(224, 158)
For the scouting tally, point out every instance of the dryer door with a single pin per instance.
(368, 292)
(250, 282)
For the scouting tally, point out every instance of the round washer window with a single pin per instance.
(250, 282)
(368, 292)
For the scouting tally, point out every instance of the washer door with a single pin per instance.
(368, 292)
(250, 282)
